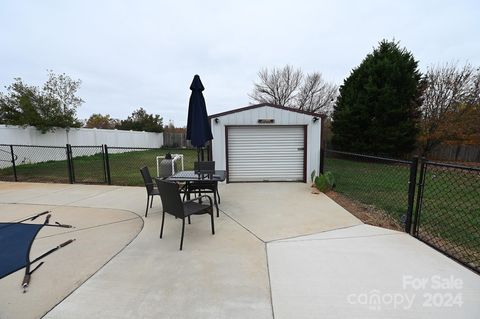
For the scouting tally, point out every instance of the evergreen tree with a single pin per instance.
(378, 107)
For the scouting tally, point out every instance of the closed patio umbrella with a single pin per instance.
(199, 131)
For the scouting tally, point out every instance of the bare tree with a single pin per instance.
(316, 95)
(277, 86)
(290, 87)
(451, 97)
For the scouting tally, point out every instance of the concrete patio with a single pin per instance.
(278, 252)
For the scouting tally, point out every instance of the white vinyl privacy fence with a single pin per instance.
(56, 141)
(78, 136)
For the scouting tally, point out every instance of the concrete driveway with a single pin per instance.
(278, 252)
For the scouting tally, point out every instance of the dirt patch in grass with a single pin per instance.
(366, 213)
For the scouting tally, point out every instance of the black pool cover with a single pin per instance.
(15, 242)
(16, 239)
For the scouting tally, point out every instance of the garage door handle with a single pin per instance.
(300, 149)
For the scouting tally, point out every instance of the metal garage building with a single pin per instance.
(266, 142)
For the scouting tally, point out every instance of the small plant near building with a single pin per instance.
(323, 182)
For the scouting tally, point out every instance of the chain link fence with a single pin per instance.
(83, 164)
(447, 214)
(35, 164)
(378, 181)
(6, 160)
(88, 163)
(442, 209)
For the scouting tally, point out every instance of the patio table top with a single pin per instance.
(191, 176)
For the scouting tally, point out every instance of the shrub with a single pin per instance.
(321, 183)
(325, 182)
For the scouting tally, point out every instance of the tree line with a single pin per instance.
(55, 103)
(139, 120)
(386, 106)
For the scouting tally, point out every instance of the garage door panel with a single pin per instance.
(265, 153)
(268, 155)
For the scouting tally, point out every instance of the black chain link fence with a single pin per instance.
(88, 164)
(84, 164)
(447, 199)
(35, 164)
(6, 174)
(378, 181)
(447, 215)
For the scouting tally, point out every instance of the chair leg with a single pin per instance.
(163, 221)
(189, 221)
(183, 232)
(148, 199)
(213, 225)
(215, 202)
(151, 202)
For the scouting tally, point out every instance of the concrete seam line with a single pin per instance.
(90, 227)
(314, 233)
(336, 238)
(269, 281)
(89, 197)
(37, 196)
(61, 205)
(54, 192)
(244, 227)
(24, 216)
(101, 267)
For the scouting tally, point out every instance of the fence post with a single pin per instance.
(322, 146)
(13, 163)
(412, 181)
(418, 206)
(107, 166)
(71, 176)
(104, 164)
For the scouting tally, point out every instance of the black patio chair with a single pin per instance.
(150, 186)
(201, 187)
(173, 205)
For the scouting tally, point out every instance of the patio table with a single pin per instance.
(188, 177)
(191, 176)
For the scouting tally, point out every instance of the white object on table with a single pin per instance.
(175, 157)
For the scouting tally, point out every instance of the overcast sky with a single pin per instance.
(145, 53)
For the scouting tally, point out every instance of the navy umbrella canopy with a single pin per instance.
(199, 131)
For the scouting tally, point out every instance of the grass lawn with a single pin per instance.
(124, 167)
(381, 185)
(450, 215)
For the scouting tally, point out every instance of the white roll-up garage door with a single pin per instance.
(265, 153)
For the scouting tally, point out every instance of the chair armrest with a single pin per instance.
(199, 198)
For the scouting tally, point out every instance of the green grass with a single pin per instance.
(124, 168)
(450, 215)
(381, 185)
